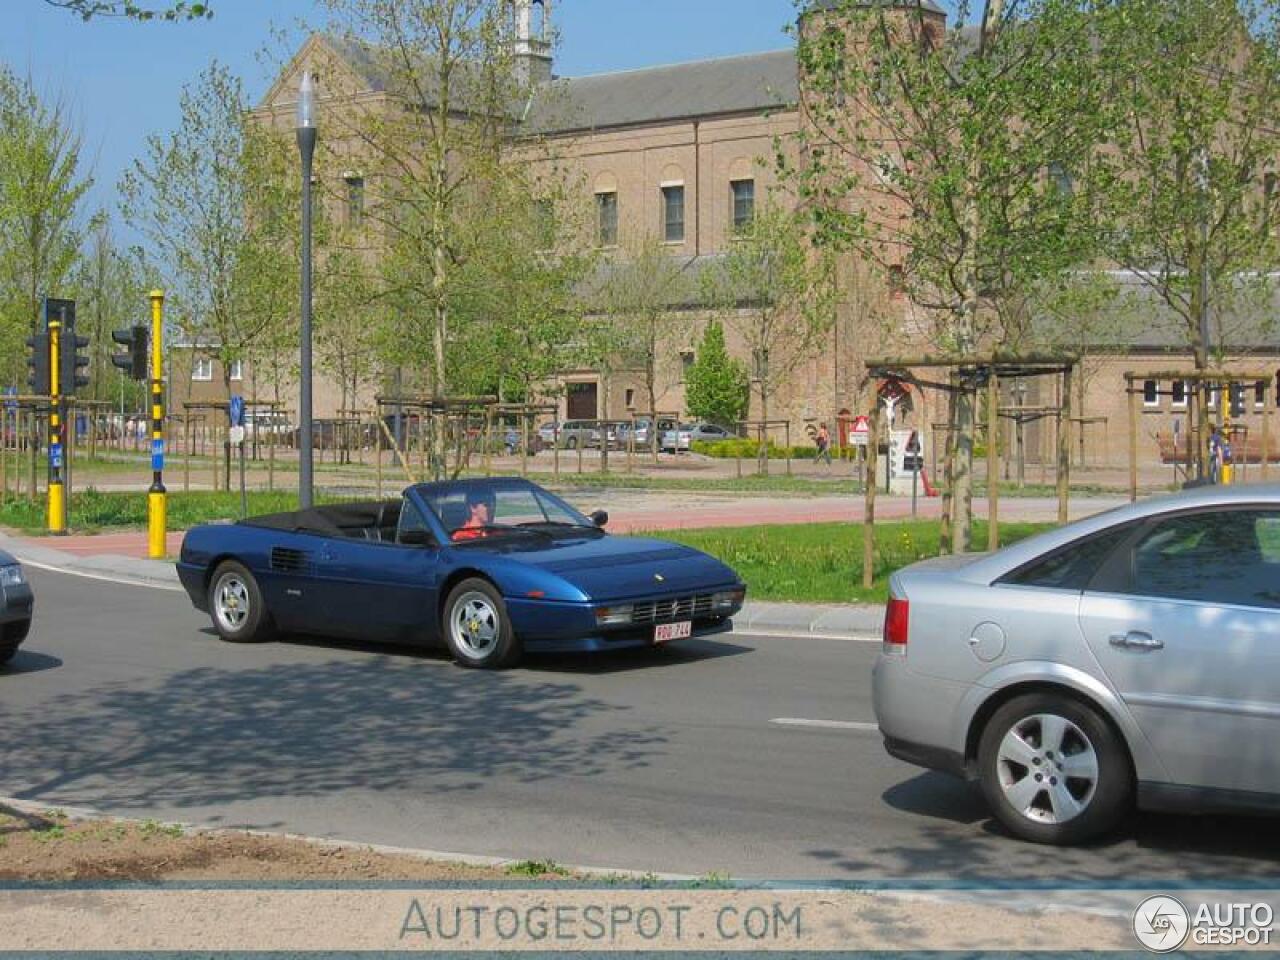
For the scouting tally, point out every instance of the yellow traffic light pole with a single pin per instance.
(156, 496)
(57, 495)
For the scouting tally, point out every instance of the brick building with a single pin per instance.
(685, 153)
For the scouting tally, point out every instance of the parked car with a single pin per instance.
(17, 604)
(579, 433)
(708, 433)
(266, 426)
(1130, 658)
(642, 430)
(488, 568)
(549, 433)
(677, 439)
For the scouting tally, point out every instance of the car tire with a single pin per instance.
(11, 637)
(1051, 737)
(236, 605)
(476, 627)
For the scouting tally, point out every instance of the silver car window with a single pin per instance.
(1217, 556)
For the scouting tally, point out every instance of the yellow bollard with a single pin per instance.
(157, 496)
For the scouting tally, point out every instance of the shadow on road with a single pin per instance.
(1214, 848)
(28, 661)
(207, 736)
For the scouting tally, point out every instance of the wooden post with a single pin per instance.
(271, 453)
(1133, 439)
(993, 461)
(1064, 447)
(945, 528)
(186, 460)
(488, 441)
(1266, 430)
(377, 453)
(524, 442)
(869, 510)
(786, 437)
(555, 445)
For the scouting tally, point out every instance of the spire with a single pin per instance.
(533, 41)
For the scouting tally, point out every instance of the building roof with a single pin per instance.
(1134, 319)
(750, 83)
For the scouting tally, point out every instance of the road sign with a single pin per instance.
(860, 432)
(235, 410)
(11, 398)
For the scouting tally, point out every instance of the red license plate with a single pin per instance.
(672, 631)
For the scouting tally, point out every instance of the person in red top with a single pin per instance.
(480, 509)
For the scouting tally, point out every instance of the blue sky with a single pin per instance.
(122, 79)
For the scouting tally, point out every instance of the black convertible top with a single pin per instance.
(336, 520)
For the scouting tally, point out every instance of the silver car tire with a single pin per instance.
(1053, 770)
(476, 627)
(236, 605)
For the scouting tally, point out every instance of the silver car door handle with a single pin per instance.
(1136, 640)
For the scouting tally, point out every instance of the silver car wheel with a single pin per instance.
(231, 602)
(1048, 768)
(474, 625)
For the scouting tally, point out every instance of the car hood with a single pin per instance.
(614, 568)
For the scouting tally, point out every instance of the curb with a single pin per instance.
(34, 809)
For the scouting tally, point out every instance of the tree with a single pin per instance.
(638, 309)
(41, 187)
(111, 286)
(778, 291)
(88, 9)
(438, 152)
(716, 385)
(193, 197)
(932, 153)
(1184, 193)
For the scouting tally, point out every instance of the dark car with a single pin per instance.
(489, 568)
(17, 604)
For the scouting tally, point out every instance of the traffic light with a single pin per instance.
(38, 364)
(135, 361)
(1237, 400)
(72, 361)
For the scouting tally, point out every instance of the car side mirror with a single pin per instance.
(600, 518)
(417, 538)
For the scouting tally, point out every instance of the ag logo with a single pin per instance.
(660, 578)
(1161, 924)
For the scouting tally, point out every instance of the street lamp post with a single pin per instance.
(307, 146)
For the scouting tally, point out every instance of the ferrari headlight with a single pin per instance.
(11, 576)
(727, 599)
(613, 616)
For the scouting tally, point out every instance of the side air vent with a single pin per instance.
(286, 560)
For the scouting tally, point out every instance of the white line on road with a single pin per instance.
(826, 724)
(124, 581)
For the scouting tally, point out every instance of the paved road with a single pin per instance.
(123, 700)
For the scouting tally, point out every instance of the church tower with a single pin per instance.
(534, 41)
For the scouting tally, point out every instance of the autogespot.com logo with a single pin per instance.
(1161, 923)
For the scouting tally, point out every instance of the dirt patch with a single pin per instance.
(49, 846)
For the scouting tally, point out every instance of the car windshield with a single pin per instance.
(497, 510)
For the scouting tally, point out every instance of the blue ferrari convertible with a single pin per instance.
(491, 568)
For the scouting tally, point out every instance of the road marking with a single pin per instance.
(124, 581)
(827, 724)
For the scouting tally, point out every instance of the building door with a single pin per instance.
(583, 401)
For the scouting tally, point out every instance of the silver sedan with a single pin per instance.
(1132, 658)
(16, 605)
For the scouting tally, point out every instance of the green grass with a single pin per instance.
(91, 510)
(822, 562)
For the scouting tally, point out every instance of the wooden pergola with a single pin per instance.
(1195, 438)
(971, 373)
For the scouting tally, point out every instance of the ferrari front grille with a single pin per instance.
(672, 610)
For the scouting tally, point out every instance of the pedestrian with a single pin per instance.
(824, 445)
